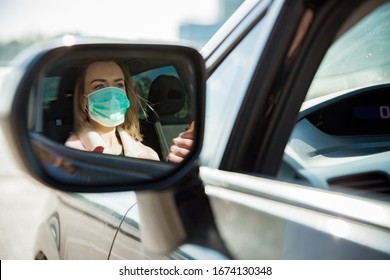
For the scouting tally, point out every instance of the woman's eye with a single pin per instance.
(120, 85)
(100, 86)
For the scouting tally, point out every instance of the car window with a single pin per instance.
(51, 90)
(226, 88)
(341, 140)
(359, 58)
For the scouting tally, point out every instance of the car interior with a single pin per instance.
(344, 142)
(341, 140)
(165, 113)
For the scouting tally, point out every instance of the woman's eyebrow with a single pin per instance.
(104, 80)
(98, 80)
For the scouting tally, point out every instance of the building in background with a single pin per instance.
(198, 34)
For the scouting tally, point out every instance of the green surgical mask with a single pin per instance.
(108, 106)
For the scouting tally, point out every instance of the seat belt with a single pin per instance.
(161, 139)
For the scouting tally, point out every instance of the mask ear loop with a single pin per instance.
(86, 114)
(85, 111)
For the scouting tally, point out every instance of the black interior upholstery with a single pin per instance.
(167, 98)
(58, 117)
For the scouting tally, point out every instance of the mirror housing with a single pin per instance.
(67, 169)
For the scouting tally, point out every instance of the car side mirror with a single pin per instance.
(170, 81)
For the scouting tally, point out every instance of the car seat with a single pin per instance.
(58, 116)
(167, 98)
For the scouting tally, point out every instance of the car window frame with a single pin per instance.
(220, 97)
(279, 85)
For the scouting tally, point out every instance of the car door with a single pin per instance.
(260, 66)
(247, 199)
(258, 216)
(129, 232)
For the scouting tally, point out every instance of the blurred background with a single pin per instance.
(24, 22)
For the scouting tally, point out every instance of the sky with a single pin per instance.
(130, 19)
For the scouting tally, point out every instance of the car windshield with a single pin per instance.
(359, 58)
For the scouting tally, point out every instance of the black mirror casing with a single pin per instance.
(77, 171)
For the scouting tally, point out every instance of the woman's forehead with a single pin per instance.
(103, 70)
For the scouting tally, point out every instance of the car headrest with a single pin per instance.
(67, 83)
(167, 95)
(58, 116)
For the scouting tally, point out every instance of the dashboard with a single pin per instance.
(342, 143)
(366, 113)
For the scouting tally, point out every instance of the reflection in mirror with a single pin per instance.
(114, 102)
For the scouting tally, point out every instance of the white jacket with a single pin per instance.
(90, 140)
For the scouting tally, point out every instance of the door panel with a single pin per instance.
(88, 223)
(263, 219)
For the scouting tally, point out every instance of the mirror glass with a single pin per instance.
(108, 114)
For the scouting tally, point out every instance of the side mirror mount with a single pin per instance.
(41, 114)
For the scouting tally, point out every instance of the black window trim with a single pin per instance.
(261, 131)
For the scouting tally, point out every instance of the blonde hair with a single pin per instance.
(81, 117)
